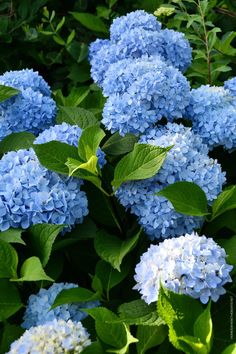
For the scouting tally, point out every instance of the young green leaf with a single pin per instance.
(90, 21)
(225, 201)
(119, 145)
(8, 260)
(76, 116)
(16, 141)
(202, 328)
(54, 155)
(32, 270)
(187, 198)
(10, 301)
(89, 142)
(7, 92)
(90, 166)
(143, 162)
(149, 337)
(41, 238)
(12, 236)
(69, 296)
(231, 349)
(112, 249)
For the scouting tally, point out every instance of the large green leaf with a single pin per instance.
(76, 116)
(89, 142)
(12, 236)
(69, 296)
(187, 198)
(7, 92)
(40, 240)
(149, 337)
(118, 145)
(112, 249)
(10, 301)
(90, 21)
(32, 270)
(16, 141)
(143, 162)
(184, 324)
(8, 260)
(54, 155)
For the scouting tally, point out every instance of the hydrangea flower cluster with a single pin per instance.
(55, 337)
(32, 109)
(187, 161)
(38, 307)
(141, 93)
(68, 134)
(191, 264)
(30, 194)
(213, 113)
(138, 71)
(134, 35)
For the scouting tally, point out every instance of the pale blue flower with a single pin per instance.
(38, 309)
(187, 161)
(190, 264)
(231, 85)
(30, 194)
(32, 109)
(54, 337)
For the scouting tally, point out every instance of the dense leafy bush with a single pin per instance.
(117, 178)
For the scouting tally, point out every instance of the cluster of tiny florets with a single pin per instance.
(32, 109)
(54, 337)
(191, 264)
(38, 308)
(66, 133)
(30, 194)
(186, 161)
(213, 113)
(138, 69)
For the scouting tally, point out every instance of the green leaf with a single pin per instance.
(7, 92)
(10, 301)
(109, 276)
(12, 236)
(231, 349)
(115, 335)
(89, 142)
(118, 145)
(9, 335)
(90, 166)
(90, 21)
(202, 328)
(32, 270)
(143, 162)
(187, 198)
(174, 310)
(69, 296)
(149, 337)
(77, 96)
(41, 239)
(17, 141)
(94, 347)
(224, 202)
(76, 116)
(230, 248)
(8, 260)
(137, 312)
(112, 249)
(54, 155)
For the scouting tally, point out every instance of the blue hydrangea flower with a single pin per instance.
(186, 161)
(231, 86)
(68, 134)
(191, 264)
(32, 109)
(95, 46)
(30, 194)
(145, 91)
(213, 114)
(38, 307)
(55, 337)
(139, 18)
